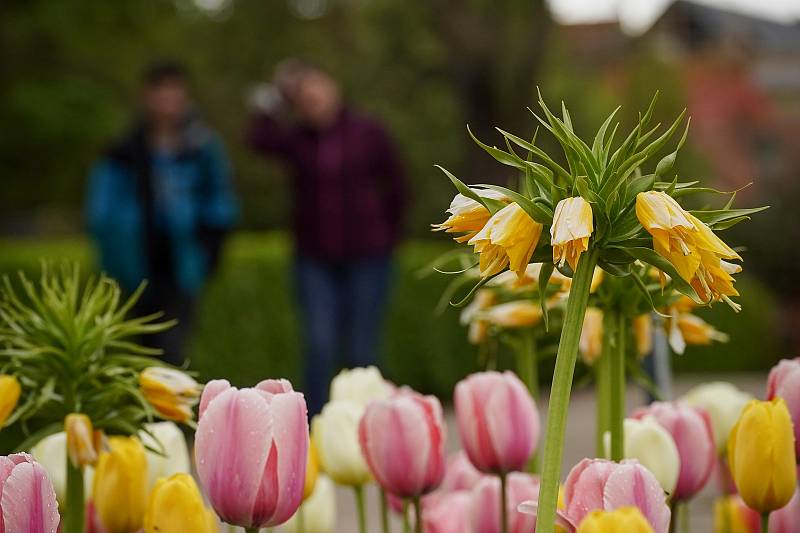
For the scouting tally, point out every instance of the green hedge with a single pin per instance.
(247, 328)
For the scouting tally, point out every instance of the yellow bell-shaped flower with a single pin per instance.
(176, 506)
(515, 314)
(627, 519)
(81, 444)
(467, 216)
(761, 455)
(119, 491)
(9, 396)
(571, 229)
(171, 392)
(508, 239)
(591, 340)
(643, 334)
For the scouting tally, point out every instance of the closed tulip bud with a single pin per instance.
(173, 453)
(28, 503)
(460, 474)
(690, 428)
(597, 484)
(80, 440)
(449, 513)
(591, 341)
(176, 506)
(571, 229)
(312, 471)
(360, 385)
(486, 504)
(516, 314)
(9, 396)
(653, 446)
(402, 439)
(761, 455)
(731, 515)
(784, 382)
(171, 392)
(120, 485)
(319, 510)
(643, 334)
(251, 449)
(787, 518)
(497, 420)
(507, 239)
(627, 519)
(724, 403)
(468, 216)
(335, 433)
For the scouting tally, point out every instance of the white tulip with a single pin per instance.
(169, 439)
(335, 434)
(319, 510)
(653, 446)
(724, 403)
(51, 453)
(360, 385)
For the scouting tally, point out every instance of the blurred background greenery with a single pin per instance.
(68, 77)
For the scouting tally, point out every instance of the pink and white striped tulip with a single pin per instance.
(605, 485)
(497, 420)
(787, 518)
(486, 504)
(250, 451)
(690, 428)
(460, 473)
(28, 500)
(402, 439)
(784, 381)
(448, 513)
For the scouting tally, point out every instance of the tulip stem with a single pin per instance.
(560, 391)
(251, 530)
(528, 371)
(617, 383)
(417, 514)
(74, 521)
(406, 524)
(602, 393)
(301, 519)
(765, 522)
(384, 512)
(503, 503)
(362, 511)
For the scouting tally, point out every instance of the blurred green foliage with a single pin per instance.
(247, 328)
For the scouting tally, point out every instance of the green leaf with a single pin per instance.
(555, 167)
(536, 211)
(489, 203)
(599, 139)
(652, 258)
(714, 217)
(38, 435)
(544, 278)
(501, 156)
(666, 164)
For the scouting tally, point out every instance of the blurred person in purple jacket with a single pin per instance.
(349, 198)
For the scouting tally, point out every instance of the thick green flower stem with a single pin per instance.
(251, 530)
(765, 522)
(406, 523)
(360, 508)
(417, 514)
(617, 383)
(602, 374)
(503, 503)
(560, 391)
(74, 521)
(384, 512)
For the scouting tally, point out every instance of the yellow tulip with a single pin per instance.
(9, 396)
(81, 445)
(119, 491)
(693, 249)
(571, 229)
(507, 239)
(516, 314)
(176, 506)
(627, 519)
(312, 470)
(467, 216)
(591, 341)
(761, 455)
(643, 334)
(171, 392)
(731, 515)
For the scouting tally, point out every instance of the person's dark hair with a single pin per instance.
(164, 70)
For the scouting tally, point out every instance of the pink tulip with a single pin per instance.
(690, 427)
(28, 500)
(448, 513)
(486, 504)
(250, 451)
(784, 381)
(786, 519)
(460, 473)
(605, 485)
(402, 439)
(497, 420)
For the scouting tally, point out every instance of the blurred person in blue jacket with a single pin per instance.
(160, 202)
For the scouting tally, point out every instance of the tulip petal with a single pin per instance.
(231, 453)
(29, 501)
(630, 484)
(213, 388)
